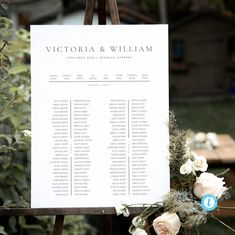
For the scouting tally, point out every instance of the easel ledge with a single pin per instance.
(63, 211)
(60, 213)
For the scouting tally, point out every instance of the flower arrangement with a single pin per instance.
(180, 210)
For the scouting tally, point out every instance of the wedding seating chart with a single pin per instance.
(99, 115)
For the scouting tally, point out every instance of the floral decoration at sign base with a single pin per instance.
(180, 211)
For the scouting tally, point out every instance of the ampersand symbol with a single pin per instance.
(101, 49)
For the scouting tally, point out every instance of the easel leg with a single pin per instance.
(89, 13)
(59, 223)
(102, 12)
(113, 9)
(108, 225)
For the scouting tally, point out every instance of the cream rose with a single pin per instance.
(199, 163)
(208, 183)
(186, 168)
(167, 224)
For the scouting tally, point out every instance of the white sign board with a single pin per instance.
(99, 115)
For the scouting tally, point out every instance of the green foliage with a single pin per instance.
(2, 231)
(15, 117)
(77, 225)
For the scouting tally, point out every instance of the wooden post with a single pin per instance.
(89, 12)
(59, 223)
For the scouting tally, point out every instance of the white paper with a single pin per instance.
(99, 115)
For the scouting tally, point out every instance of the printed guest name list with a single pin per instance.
(99, 115)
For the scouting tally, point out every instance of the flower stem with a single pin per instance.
(153, 205)
(152, 212)
(143, 204)
(224, 172)
(197, 231)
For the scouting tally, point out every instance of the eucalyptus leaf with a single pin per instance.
(22, 142)
(26, 51)
(5, 61)
(5, 23)
(2, 231)
(15, 120)
(22, 203)
(8, 203)
(7, 163)
(5, 149)
(18, 69)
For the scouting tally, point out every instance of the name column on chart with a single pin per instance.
(139, 146)
(81, 146)
(118, 147)
(60, 149)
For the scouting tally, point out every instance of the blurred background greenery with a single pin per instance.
(214, 116)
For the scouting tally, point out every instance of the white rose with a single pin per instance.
(186, 168)
(208, 183)
(200, 163)
(139, 231)
(200, 137)
(121, 208)
(138, 222)
(167, 224)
